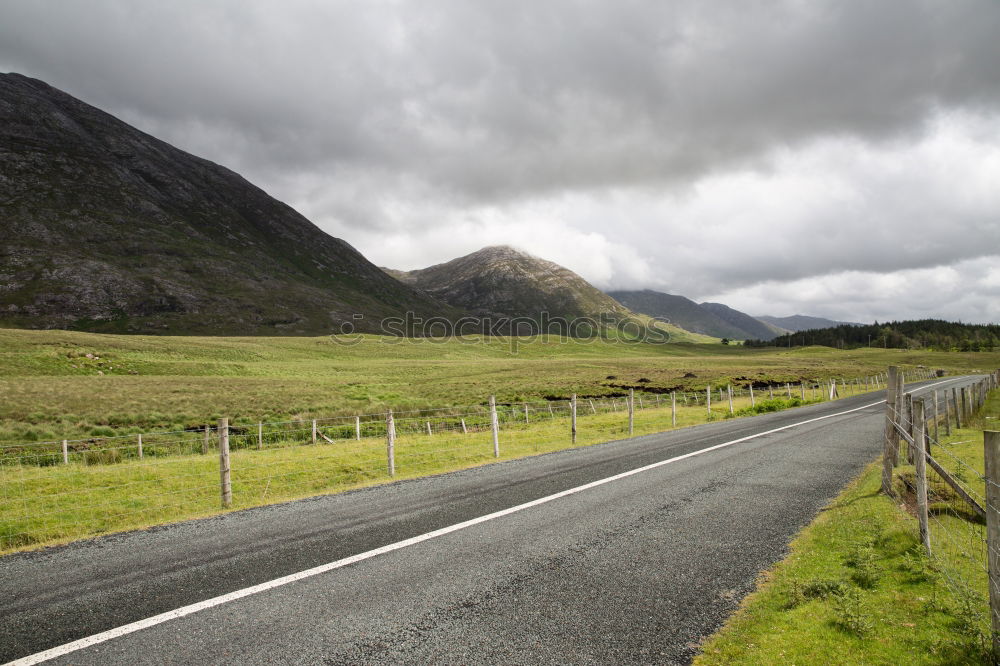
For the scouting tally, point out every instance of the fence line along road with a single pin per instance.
(56, 491)
(962, 532)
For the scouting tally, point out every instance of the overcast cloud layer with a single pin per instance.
(831, 158)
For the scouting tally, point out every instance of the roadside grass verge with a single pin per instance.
(59, 503)
(858, 588)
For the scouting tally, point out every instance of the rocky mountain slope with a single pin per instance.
(501, 280)
(106, 228)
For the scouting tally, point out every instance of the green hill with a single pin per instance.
(680, 311)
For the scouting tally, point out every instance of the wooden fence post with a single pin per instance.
(920, 464)
(139, 445)
(65, 450)
(204, 442)
(673, 409)
(631, 411)
(225, 480)
(991, 448)
(314, 431)
(357, 428)
(910, 426)
(958, 409)
(708, 399)
(891, 437)
(390, 443)
(937, 417)
(465, 431)
(788, 387)
(494, 426)
(900, 404)
(593, 410)
(429, 431)
(729, 392)
(572, 417)
(753, 403)
(260, 436)
(525, 413)
(947, 414)
(770, 392)
(966, 412)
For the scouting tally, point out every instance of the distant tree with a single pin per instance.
(919, 334)
(725, 341)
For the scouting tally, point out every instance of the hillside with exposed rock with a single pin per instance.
(107, 228)
(503, 280)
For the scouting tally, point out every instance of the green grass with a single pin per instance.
(91, 387)
(858, 588)
(59, 503)
(52, 390)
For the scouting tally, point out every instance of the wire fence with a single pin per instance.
(65, 489)
(937, 452)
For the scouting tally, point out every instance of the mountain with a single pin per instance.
(752, 327)
(680, 311)
(798, 322)
(107, 228)
(501, 280)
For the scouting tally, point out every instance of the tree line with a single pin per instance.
(934, 334)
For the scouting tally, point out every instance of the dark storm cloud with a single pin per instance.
(399, 124)
(514, 98)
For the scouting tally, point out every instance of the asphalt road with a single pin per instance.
(634, 570)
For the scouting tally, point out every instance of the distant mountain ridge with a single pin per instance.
(796, 323)
(107, 228)
(751, 326)
(680, 311)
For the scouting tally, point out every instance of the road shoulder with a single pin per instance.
(855, 584)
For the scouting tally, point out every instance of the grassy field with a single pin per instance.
(58, 384)
(93, 387)
(858, 584)
(57, 503)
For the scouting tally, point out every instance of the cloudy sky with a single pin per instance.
(832, 158)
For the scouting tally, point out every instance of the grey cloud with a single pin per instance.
(518, 98)
(392, 121)
(958, 292)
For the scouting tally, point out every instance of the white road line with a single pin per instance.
(123, 630)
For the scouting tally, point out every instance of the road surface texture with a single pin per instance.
(634, 570)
